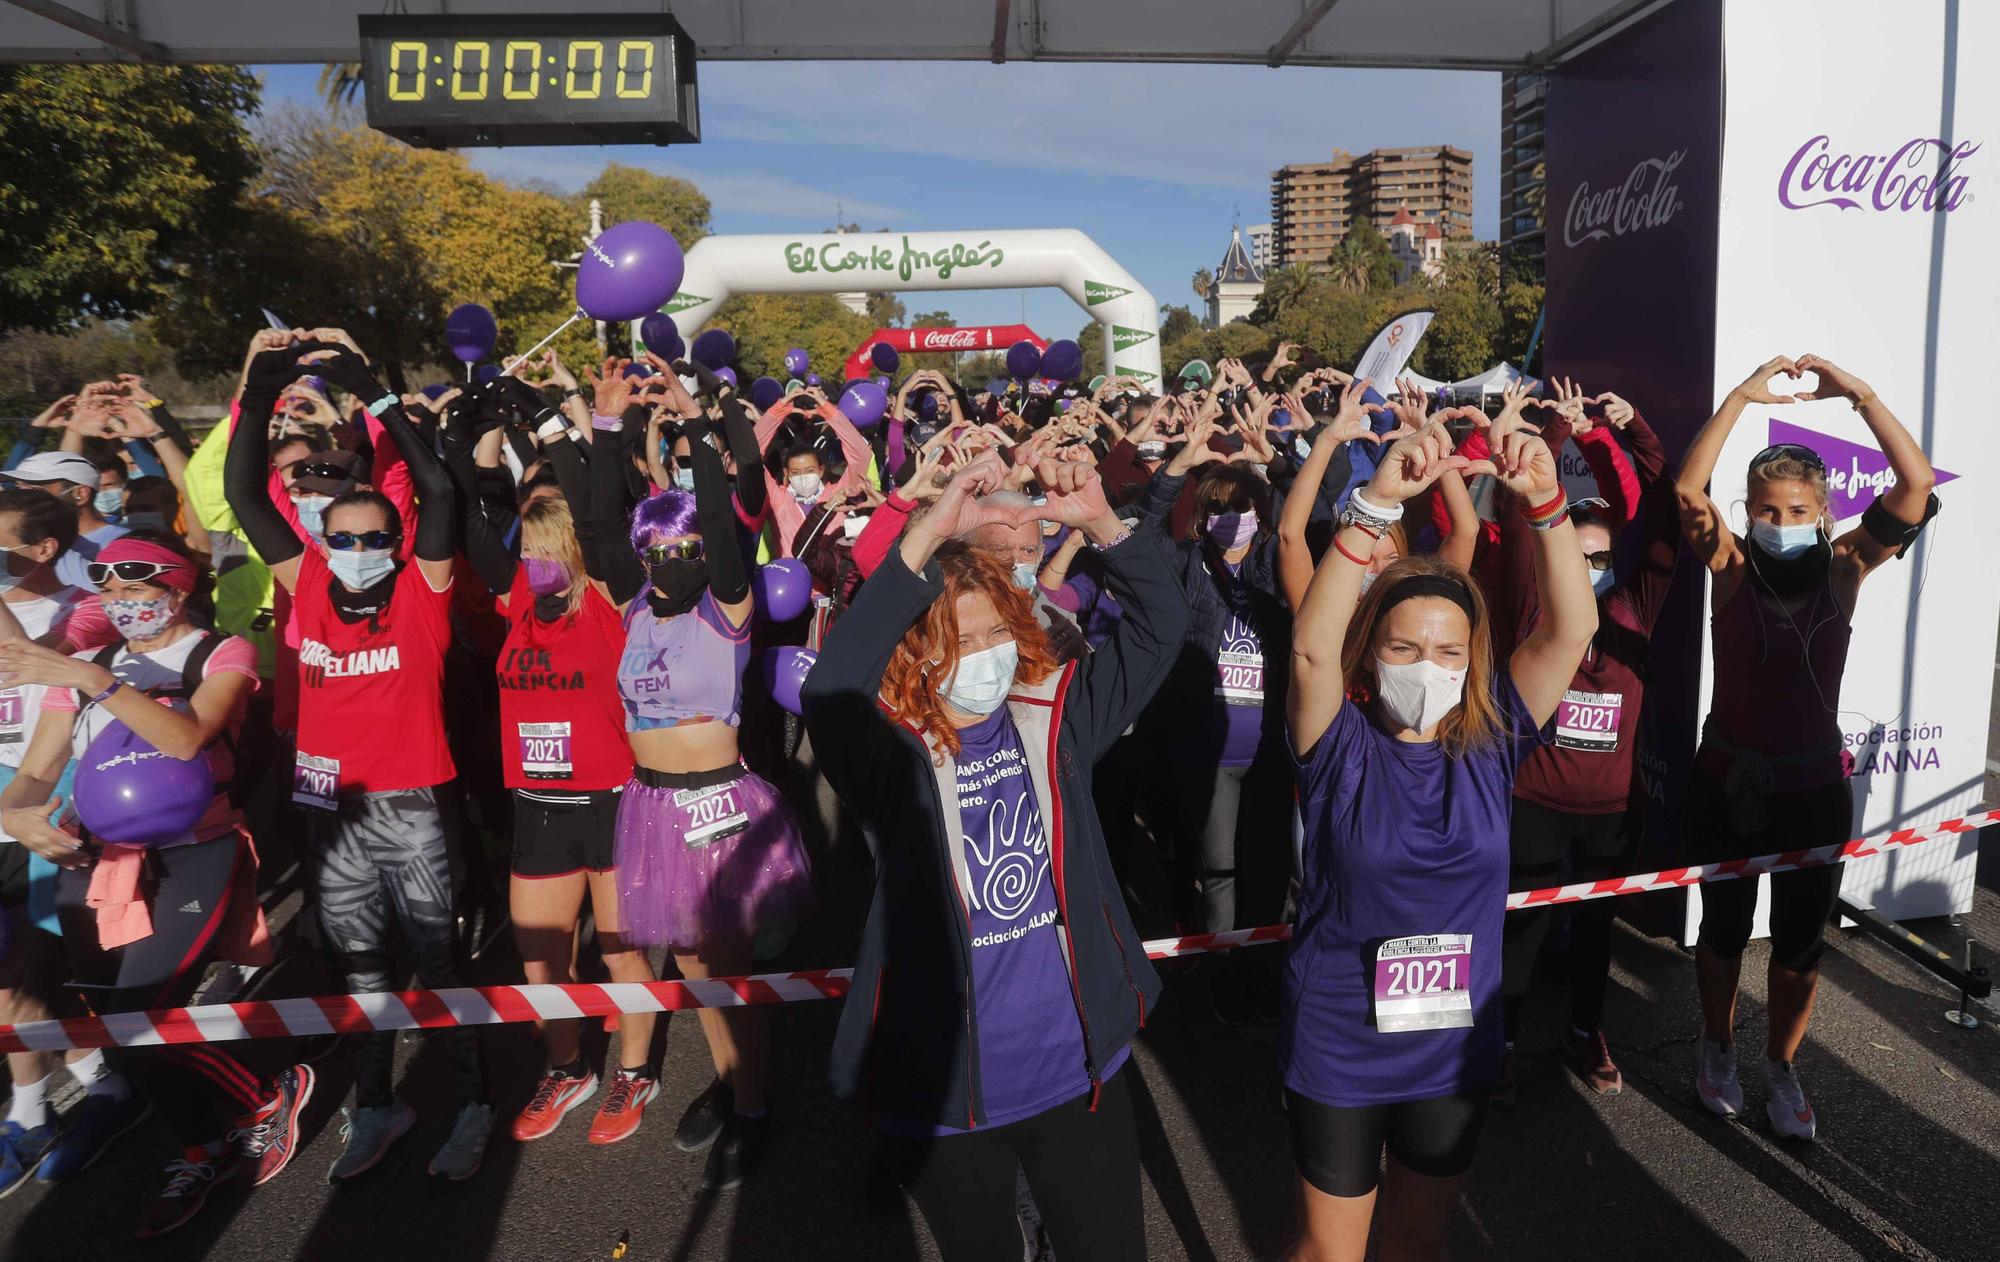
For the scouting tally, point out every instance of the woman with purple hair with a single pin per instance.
(708, 855)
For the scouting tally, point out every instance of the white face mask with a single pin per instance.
(1024, 575)
(1417, 695)
(1368, 578)
(1784, 542)
(981, 682)
(1602, 581)
(684, 479)
(805, 486)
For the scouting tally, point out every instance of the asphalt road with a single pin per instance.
(1906, 1166)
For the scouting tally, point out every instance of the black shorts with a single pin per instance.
(1802, 901)
(1339, 1150)
(13, 874)
(561, 832)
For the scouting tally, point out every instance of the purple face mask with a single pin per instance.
(1232, 530)
(545, 578)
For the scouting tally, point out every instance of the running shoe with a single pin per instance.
(366, 1134)
(1590, 1057)
(704, 1118)
(1716, 1081)
(459, 1159)
(736, 1152)
(623, 1106)
(1790, 1114)
(189, 1182)
(270, 1136)
(89, 1130)
(21, 1150)
(555, 1095)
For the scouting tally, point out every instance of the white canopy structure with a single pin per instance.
(1492, 381)
(1439, 34)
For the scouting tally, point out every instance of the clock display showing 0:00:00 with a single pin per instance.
(472, 69)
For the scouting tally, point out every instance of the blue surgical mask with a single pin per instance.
(146, 521)
(362, 569)
(1602, 581)
(312, 513)
(1024, 575)
(982, 679)
(684, 479)
(1784, 542)
(109, 503)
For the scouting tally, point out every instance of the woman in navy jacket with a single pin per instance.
(1000, 980)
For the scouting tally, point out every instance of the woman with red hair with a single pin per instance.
(1000, 980)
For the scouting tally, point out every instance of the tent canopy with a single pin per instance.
(1461, 34)
(1492, 381)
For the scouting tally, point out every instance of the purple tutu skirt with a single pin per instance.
(721, 863)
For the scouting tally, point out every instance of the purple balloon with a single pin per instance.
(765, 391)
(863, 403)
(996, 385)
(434, 389)
(714, 347)
(784, 589)
(629, 271)
(485, 373)
(812, 379)
(657, 331)
(727, 374)
(469, 330)
(130, 793)
(785, 669)
(638, 370)
(927, 406)
(884, 356)
(797, 361)
(881, 381)
(1023, 360)
(1063, 360)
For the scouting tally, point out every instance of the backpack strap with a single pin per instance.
(197, 662)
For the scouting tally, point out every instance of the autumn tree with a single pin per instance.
(628, 192)
(767, 325)
(115, 175)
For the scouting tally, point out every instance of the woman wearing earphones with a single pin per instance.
(1768, 775)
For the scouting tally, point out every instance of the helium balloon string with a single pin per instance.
(528, 354)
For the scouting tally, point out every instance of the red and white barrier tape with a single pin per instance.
(502, 1005)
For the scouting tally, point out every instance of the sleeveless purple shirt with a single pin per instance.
(680, 668)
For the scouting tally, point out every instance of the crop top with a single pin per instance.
(686, 667)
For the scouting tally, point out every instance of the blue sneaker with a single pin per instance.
(91, 1126)
(21, 1150)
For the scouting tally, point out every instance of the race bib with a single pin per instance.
(545, 751)
(712, 814)
(1423, 983)
(316, 782)
(13, 717)
(1239, 677)
(1589, 720)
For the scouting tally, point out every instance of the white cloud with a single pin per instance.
(773, 196)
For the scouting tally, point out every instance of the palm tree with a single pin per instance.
(340, 82)
(1351, 270)
(1204, 280)
(1288, 284)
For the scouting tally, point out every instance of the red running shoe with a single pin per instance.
(189, 1182)
(554, 1097)
(623, 1106)
(270, 1136)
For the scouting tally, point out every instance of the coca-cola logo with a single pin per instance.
(1646, 198)
(947, 340)
(1920, 174)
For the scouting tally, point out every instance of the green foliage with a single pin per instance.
(38, 368)
(886, 310)
(636, 193)
(1177, 322)
(767, 325)
(114, 175)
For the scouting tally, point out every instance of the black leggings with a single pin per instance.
(1596, 846)
(1339, 1150)
(1801, 901)
(199, 1088)
(1083, 1168)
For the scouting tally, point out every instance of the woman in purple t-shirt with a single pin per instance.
(1392, 1027)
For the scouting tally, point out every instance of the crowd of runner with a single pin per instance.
(1351, 655)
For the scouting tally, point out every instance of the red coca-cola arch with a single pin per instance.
(983, 337)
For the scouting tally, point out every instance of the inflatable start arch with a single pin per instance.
(718, 268)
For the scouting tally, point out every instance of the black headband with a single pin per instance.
(1429, 585)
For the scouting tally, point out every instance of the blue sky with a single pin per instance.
(1152, 161)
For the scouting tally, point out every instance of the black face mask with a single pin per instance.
(352, 607)
(677, 585)
(1786, 577)
(552, 607)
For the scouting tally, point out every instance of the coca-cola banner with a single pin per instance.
(1864, 226)
(1634, 137)
(984, 337)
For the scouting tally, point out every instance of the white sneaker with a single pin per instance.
(460, 1157)
(1790, 1114)
(1716, 1081)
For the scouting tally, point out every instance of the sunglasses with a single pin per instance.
(353, 540)
(321, 469)
(1599, 561)
(1788, 451)
(661, 553)
(102, 572)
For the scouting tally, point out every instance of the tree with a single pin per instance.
(340, 82)
(1090, 340)
(351, 228)
(1366, 242)
(886, 310)
(933, 320)
(114, 175)
(1284, 286)
(636, 193)
(1204, 280)
(767, 325)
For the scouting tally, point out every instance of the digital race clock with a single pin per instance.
(486, 79)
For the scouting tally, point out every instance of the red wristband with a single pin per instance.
(1538, 511)
(1362, 561)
